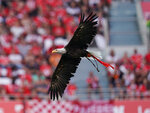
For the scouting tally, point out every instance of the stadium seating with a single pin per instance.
(123, 24)
(82, 74)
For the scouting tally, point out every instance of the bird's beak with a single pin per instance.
(54, 51)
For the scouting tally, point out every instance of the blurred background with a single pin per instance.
(31, 29)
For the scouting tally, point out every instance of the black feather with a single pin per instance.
(51, 93)
(85, 33)
(57, 91)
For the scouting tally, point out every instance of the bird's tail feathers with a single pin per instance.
(90, 54)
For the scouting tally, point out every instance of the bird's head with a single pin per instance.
(61, 51)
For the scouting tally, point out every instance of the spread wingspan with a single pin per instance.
(68, 64)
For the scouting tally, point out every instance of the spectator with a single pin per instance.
(33, 36)
(29, 58)
(58, 30)
(48, 40)
(128, 78)
(136, 58)
(70, 25)
(112, 58)
(46, 69)
(23, 46)
(3, 93)
(73, 9)
(15, 58)
(147, 57)
(119, 90)
(100, 41)
(94, 2)
(42, 86)
(4, 60)
(92, 84)
(71, 92)
(36, 49)
(17, 29)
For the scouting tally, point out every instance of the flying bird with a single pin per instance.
(72, 54)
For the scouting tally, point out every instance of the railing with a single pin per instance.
(88, 94)
(122, 19)
(115, 93)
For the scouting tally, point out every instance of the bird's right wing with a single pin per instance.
(64, 71)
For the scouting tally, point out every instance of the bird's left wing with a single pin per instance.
(85, 32)
(64, 71)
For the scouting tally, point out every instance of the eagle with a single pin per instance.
(72, 54)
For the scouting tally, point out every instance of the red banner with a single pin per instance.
(93, 107)
(128, 106)
(44, 106)
(132, 106)
(11, 107)
(146, 9)
(70, 106)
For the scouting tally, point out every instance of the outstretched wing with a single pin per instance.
(84, 33)
(64, 71)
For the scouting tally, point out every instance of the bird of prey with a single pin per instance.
(72, 54)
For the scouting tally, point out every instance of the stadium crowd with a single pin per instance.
(131, 77)
(29, 31)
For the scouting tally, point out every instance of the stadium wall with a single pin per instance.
(44, 106)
